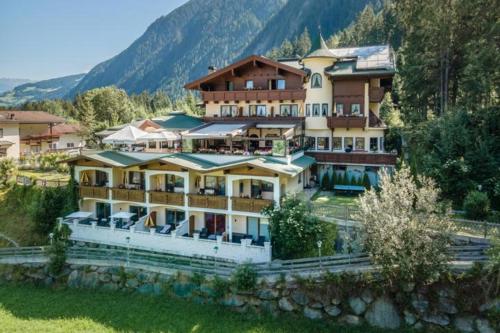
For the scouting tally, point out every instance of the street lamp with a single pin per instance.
(128, 250)
(319, 243)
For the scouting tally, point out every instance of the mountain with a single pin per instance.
(47, 89)
(9, 84)
(180, 46)
(296, 15)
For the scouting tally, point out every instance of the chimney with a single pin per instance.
(211, 69)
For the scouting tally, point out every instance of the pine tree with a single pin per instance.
(302, 44)
(325, 182)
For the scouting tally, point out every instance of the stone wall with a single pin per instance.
(462, 303)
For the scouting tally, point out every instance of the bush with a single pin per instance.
(220, 287)
(8, 169)
(57, 250)
(50, 161)
(477, 205)
(366, 181)
(325, 182)
(244, 277)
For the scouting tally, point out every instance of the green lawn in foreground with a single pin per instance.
(329, 198)
(29, 309)
(44, 175)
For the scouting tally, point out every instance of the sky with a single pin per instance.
(43, 39)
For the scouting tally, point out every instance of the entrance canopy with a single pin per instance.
(215, 131)
(127, 135)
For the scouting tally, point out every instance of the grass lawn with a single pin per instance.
(329, 198)
(30, 309)
(44, 175)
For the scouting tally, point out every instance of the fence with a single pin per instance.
(27, 181)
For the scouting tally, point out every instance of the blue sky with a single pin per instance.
(42, 39)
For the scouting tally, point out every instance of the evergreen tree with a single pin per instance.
(302, 44)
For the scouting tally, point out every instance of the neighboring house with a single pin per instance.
(33, 132)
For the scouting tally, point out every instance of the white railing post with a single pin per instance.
(269, 251)
(93, 224)
(196, 236)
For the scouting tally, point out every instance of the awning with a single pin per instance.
(214, 131)
(127, 135)
(160, 136)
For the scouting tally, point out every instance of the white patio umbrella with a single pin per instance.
(160, 136)
(127, 135)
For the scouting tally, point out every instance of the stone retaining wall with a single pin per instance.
(460, 305)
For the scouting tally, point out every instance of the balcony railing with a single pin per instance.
(250, 204)
(261, 119)
(128, 195)
(346, 122)
(253, 95)
(166, 198)
(355, 158)
(376, 94)
(93, 192)
(207, 201)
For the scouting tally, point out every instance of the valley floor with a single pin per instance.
(30, 309)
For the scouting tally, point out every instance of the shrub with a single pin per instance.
(406, 231)
(366, 181)
(8, 169)
(244, 277)
(57, 249)
(477, 205)
(325, 182)
(50, 161)
(50, 205)
(220, 287)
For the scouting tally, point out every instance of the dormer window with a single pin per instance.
(316, 80)
(249, 84)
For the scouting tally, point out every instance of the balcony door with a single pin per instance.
(139, 212)
(215, 223)
(102, 210)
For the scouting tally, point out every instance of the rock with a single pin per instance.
(408, 287)
(464, 324)
(419, 303)
(383, 314)
(110, 286)
(483, 326)
(447, 293)
(410, 318)
(490, 305)
(446, 305)
(418, 326)
(89, 280)
(367, 296)
(335, 301)
(357, 305)
(268, 294)
(104, 277)
(146, 289)
(285, 304)
(183, 289)
(437, 319)
(299, 297)
(316, 305)
(270, 307)
(233, 301)
(132, 283)
(333, 310)
(312, 313)
(350, 319)
(74, 279)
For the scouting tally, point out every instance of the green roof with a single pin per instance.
(178, 121)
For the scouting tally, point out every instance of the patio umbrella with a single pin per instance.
(84, 178)
(127, 135)
(150, 223)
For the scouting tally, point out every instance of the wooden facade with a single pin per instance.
(253, 95)
(93, 192)
(166, 198)
(346, 122)
(250, 204)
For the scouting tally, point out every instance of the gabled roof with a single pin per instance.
(29, 117)
(178, 121)
(251, 59)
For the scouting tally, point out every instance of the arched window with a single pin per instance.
(316, 80)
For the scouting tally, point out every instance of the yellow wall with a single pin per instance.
(11, 134)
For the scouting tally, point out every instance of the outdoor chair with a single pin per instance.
(164, 229)
(128, 225)
(204, 233)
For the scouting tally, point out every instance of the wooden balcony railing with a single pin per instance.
(207, 201)
(346, 122)
(355, 158)
(265, 120)
(167, 198)
(250, 204)
(93, 192)
(253, 95)
(376, 94)
(128, 195)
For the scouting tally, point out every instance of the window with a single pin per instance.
(323, 143)
(259, 186)
(249, 84)
(324, 110)
(228, 110)
(174, 217)
(310, 142)
(1, 132)
(215, 185)
(348, 143)
(3, 152)
(287, 110)
(340, 109)
(152, 144)
(53, 145)
(308, 110)
(360, 143)
(136, 178)
(70, 145)
(355, 109)
(316, 80)
(281, 84)
(172, 182)
(373, 144)
(316, 110)
(257, 110)
(337, 143)
(229, 86)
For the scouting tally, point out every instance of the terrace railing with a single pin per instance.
(207, 201)
(93, 192)
(128, 195)
(166, 198)
(250, 204)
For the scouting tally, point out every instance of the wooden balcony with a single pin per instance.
(355, 158)
(250, 204)
(376, 94)
(166, 198)
(253, 95)
(207, 201)
(93, 192)
(261, 120)
(346, 122)
(128, 195)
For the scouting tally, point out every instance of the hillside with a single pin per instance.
(296, 15)
(47, 89)
(7, 84)
(181, 45)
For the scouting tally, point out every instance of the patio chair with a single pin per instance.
(260, 241)
(204, 233)
(128, 225)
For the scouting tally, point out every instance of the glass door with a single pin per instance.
(139, 212)
(102, 210)
(253, 227)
